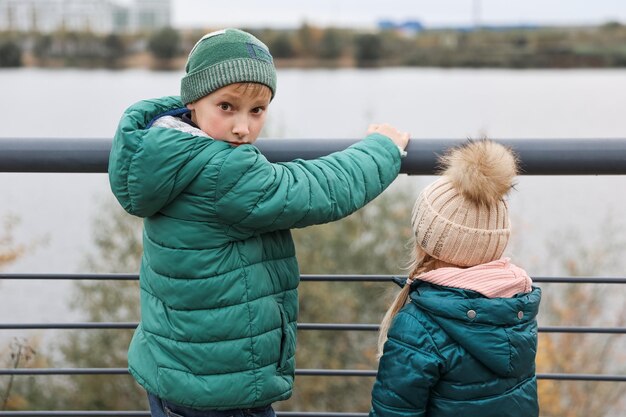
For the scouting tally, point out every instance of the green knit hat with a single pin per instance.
(226, 57)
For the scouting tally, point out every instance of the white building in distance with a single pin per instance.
(98, 16)
(150, 14)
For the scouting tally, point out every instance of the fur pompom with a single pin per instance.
(482, 171)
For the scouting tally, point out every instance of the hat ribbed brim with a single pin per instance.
(199, 84)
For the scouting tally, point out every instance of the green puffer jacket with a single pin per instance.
(443, 360)
(219, 276)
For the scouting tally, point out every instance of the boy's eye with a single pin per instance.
(258, 110)
(224, 106)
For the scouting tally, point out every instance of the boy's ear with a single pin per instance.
(190, 106)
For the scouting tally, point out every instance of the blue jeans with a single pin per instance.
(162, 408)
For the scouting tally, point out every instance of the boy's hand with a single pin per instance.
(401, 139)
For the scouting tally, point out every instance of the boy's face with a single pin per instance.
(234, 114)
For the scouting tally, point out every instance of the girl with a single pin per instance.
(460, 338)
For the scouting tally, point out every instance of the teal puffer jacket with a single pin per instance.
(453, 352)
(219, 276)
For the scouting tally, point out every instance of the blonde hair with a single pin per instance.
(421, 263)
(254, 90)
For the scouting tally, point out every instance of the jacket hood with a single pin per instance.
(499, 332)
(149, 167)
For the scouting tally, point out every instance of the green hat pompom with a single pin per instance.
(226, 57)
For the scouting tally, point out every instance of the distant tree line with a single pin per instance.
(89, 50)
(310, 46)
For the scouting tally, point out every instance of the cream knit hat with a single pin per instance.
(462, 218)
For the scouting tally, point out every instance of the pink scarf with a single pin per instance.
(496, 279)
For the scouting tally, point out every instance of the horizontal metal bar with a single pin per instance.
(70, 326)
(64, 371)
(537, 156)
(582, 377)
(147, 414)
(372, 373)
(336, 372)
(301, 326)
(54, 155)
(317, 414)
(300, 372)
(303, 278)
(345, 278)
(67, 413)
(132, 325)
(582, 330)
(385, 278)
(579, 280)
(63, 413)
(71, 277)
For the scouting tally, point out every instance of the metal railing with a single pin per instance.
(537, 157)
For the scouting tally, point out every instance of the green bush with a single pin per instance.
(282, 46)
(331, 45)
(368, 50)
(10, 54)
(164, 44)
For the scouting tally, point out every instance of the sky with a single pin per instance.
(364, 13)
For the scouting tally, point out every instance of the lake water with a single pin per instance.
(57, 210)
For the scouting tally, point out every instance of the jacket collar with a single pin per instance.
(496, 279)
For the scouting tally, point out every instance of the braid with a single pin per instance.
(422, 263)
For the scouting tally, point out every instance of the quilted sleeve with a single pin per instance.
(406, 371)
(256, 196)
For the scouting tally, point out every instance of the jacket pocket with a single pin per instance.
(287, 340)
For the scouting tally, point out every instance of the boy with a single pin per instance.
(219, 276)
